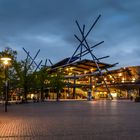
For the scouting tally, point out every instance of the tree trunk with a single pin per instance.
(57, 96)
(42, 97)
(25, 93)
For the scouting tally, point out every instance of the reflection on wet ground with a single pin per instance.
(81, 120)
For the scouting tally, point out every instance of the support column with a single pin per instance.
(68, 88)
(139, 92)
(90, 82)
(74, 86)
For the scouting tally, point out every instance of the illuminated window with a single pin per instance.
(120, 74)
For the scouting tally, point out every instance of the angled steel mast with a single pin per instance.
(33, 60)
(85, 49)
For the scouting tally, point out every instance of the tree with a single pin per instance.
(41, 80)
(57, 82)
(7, 52)
(24, 72)
(20, 72)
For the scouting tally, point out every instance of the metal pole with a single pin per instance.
(84, 37)
(6, 89)
(74, 86)
(93, 57)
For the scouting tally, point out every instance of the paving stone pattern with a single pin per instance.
(71, 120)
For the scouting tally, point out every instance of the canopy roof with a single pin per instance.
(82, 66)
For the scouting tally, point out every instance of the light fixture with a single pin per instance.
(120, 74)
(133, 80)
(5, 61)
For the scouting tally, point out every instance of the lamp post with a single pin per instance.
(6, 62)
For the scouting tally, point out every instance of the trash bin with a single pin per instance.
(89, 95)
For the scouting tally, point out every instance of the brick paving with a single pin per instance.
(71, 120)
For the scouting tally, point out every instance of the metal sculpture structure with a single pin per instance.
(34, 66)
(33, 60)
(85, 49)
(46, 62)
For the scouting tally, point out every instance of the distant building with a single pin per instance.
(80, 76)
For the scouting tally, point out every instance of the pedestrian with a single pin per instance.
(131, 97)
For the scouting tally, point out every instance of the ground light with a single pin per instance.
(6, 61)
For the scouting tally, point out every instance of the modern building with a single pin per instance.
(87, 75)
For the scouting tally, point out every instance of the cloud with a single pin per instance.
(49, 25)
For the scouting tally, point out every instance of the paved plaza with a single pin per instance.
(71, 120)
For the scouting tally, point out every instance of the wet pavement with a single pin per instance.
(71, 120)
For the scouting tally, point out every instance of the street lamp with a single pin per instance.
(6, 62)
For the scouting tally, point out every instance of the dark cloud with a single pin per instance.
(49, 25)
